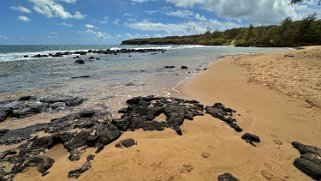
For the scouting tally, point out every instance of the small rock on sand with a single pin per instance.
(187, 168)
(205, 154)
(278, 142)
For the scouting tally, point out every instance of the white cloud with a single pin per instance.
(2, 37)
(52, 35)
(98, 34)
(21, 9)
(69, 1)
(105, 20)
(185, 28)
(66, 24)
(254, 11)
(23, 18)
(89, 26)
(180, 13)
(141, 1)
(50, 9)
(116, 21)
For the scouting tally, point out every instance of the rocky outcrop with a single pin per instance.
(89, 128)
(96, 129)
(86, 166)
(77, 131)
(227, 177)
(309, 161)
(106, 52)
(225, 114)
(30, 105)
(142, 111)
(251, 138)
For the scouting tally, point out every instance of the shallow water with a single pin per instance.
(113, 78)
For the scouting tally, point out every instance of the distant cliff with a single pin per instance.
(288, 34)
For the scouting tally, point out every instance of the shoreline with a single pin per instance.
(278, 118)
(208, 146)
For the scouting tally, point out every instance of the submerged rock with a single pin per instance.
(80, 61)
(29, 105)
(309, 161)
(81, 76)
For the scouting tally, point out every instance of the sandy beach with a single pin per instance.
(277, 96)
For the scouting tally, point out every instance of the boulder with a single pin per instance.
(309, 161)
(227, 177)
(251, 138)
(126, 143)
(80, 61)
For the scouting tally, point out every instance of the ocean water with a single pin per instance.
(112, 78)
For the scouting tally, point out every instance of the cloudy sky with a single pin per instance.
(110, 21)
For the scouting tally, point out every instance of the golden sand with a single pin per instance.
(277, 97)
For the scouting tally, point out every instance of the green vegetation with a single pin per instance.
(288, 34)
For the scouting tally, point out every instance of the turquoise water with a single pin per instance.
(113, 77)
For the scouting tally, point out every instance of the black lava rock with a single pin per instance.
(79, 61)
(227, 177)
(309, 161)
(126, 143)
(225, 114)
(250, 138)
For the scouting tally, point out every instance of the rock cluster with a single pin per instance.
(309, 161)
(106, 52)
(142, 111)
(225, 114)
(30, 105)
(89, 128)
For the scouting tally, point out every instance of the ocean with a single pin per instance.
(112, 78)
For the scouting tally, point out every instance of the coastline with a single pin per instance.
(208, 146)
(277, 115)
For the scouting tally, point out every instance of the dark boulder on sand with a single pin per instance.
(126, 143)
(86, 166)
(169, 67)
(251, 138)
(309, 161)
(225, 114)
(227, 177)
(184, 67)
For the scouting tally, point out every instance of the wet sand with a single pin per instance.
(274, 100)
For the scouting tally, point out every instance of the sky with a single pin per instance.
(108, 22)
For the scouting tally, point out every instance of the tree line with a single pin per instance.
(288, 34)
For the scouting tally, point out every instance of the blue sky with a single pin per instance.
(110, 22)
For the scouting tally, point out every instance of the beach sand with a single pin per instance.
(277, 97)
